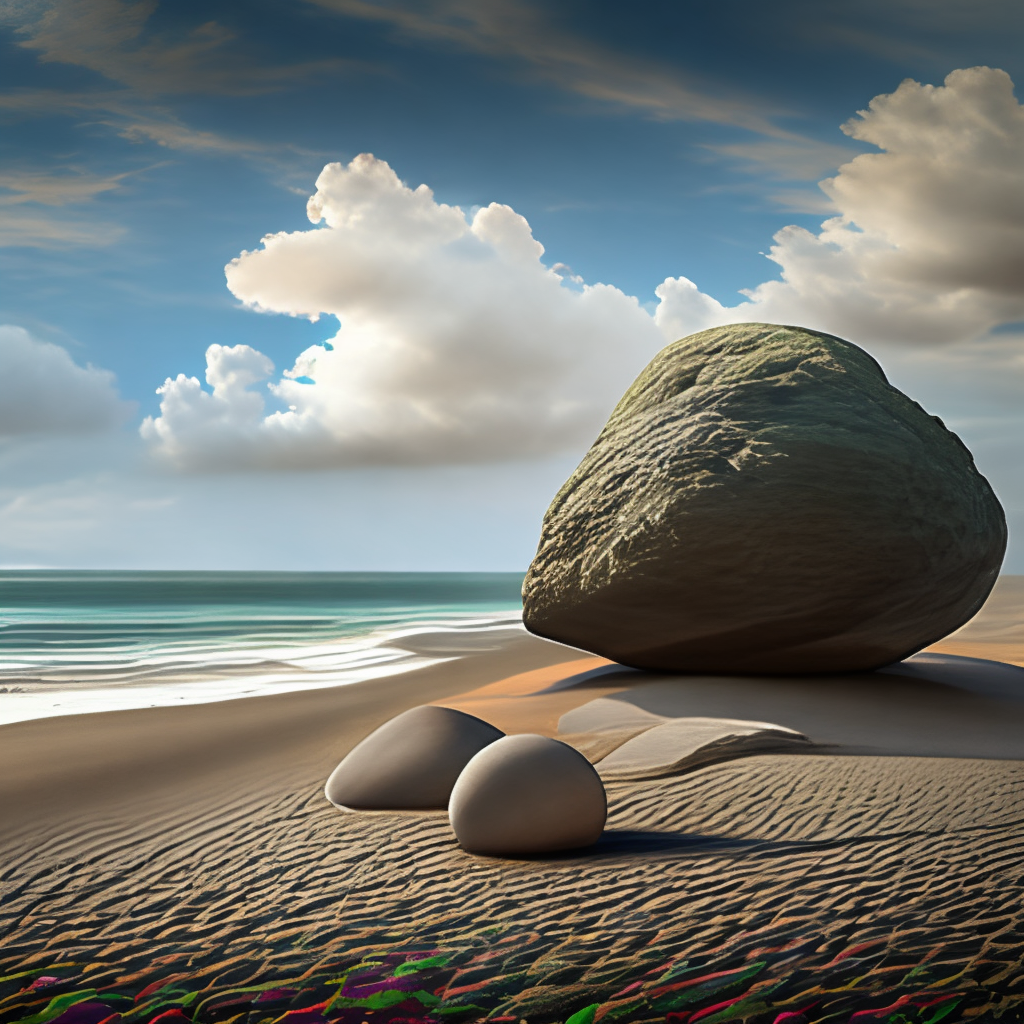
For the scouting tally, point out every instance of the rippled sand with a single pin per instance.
(168, 861)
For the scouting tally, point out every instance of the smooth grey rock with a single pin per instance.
(527, 794)
(762, 500)
(411, 762)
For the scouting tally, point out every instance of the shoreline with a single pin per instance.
(128, 749)
(996, 633)
(239, 674)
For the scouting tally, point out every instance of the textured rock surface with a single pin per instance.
(527, 794)
(762, 500)
(411, 762)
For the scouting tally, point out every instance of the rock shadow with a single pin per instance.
(930, 705)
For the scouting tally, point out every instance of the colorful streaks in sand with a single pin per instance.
(784, 890)
(491, 980)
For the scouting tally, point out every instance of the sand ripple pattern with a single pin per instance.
(826, 888)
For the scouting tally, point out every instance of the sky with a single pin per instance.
(353, 284)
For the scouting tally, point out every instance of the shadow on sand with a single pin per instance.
(931, 705)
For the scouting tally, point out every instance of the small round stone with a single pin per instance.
(411, 762)
(527, 794)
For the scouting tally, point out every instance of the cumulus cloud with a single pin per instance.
(928, 243)
(456, 343)
(44, 391)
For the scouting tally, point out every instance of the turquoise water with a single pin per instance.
(85, 640)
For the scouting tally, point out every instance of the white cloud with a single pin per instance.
(456, 344)
(928, 245)
(923, 261)
(43, 391)
(216, 428)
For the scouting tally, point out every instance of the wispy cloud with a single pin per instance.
(788, 159)
(142, 73)
(49, 189)
(896, 49)
(169, 132)
(42, 231)
(517, 31)
(26, 192)
(526, 36)
(802, 200)
(22, 224)
(132, 120)
(910, 34)
(147, 67)
(114, 38)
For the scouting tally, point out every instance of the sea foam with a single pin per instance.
(79, 642)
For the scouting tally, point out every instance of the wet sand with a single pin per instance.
(183, 861)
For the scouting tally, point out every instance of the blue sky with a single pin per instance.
(148, 145)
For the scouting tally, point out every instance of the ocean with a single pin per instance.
(84, 641)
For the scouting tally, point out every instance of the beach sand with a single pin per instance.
(183, 861)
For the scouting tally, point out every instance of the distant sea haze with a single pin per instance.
(74, 642)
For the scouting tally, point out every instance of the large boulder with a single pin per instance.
(410, 762)
(527, 794)
(763, 500)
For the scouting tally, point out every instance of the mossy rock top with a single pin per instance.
(763, 500)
